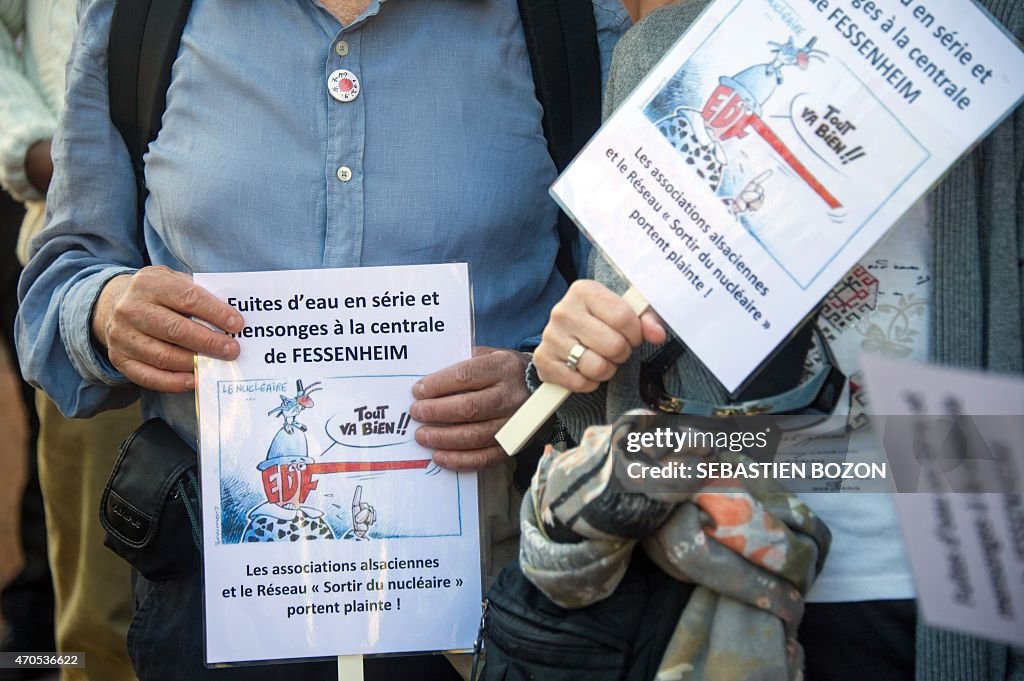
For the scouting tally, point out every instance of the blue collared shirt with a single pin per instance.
(440, 157)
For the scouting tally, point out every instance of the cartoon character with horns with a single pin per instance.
(291, 407)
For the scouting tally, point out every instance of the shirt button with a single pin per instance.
(344, 173)
(343, 85)
(341, 47)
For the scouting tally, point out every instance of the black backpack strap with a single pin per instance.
(144, 39)
(561, 38)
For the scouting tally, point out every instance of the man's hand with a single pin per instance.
(464, 405)
(142, 320)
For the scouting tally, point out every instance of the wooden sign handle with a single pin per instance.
(546, 400)
(350, 668)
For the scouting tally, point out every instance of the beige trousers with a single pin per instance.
(91, 584)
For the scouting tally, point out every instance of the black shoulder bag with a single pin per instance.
(150, 506)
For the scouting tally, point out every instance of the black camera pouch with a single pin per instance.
(150, 506)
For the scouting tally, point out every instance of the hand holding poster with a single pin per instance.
(772, 146)
(327, 529)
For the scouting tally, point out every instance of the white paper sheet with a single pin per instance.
(946, 431)
(327, 529)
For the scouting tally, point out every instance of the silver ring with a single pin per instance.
(574, 356)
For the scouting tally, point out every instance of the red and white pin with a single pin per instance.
(343, 85)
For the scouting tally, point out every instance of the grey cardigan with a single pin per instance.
(976, 265)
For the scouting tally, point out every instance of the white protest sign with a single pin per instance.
(772, 146)
(960, 437)
(327, 529)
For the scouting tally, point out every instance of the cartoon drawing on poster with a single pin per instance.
(291, 407)
(287, 480)
(326, 451)
(699, 134)
(745, 117)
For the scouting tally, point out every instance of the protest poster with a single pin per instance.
(772, 146)
(327, 530)
(955, 441)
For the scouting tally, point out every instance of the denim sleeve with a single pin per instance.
(90, 237)
(612, 23)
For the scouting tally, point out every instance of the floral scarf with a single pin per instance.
(751, 548)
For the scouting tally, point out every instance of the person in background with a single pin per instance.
(439, 154)
(91, 585)
(957, 293)
(26, 602)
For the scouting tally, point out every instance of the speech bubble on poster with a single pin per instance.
(374, 416)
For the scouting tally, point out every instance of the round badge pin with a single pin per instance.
(343, 85)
